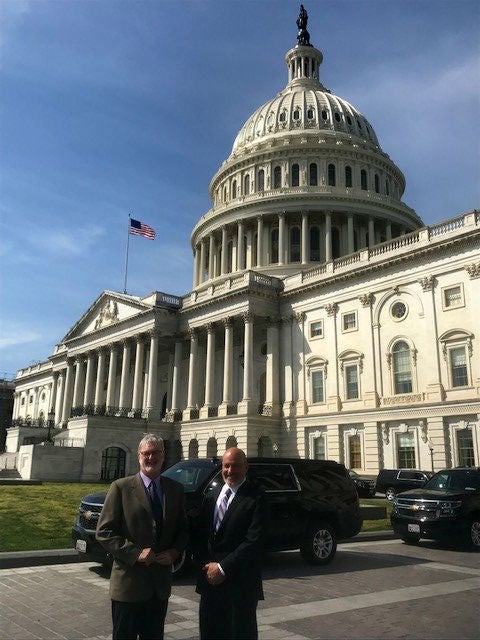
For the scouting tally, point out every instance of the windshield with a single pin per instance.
(191, 473)
(456, 480)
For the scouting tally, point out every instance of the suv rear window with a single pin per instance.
(273, 477)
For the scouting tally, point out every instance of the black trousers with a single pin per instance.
(224, 616)
(143, 620)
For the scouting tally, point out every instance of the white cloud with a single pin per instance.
(14, 337)
(69, 242)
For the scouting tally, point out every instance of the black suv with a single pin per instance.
(313, 504)
(446, 508)
(393, 481)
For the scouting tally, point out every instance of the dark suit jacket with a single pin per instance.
(126, 526)
(237, 545)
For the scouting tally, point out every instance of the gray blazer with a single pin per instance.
(126, 526)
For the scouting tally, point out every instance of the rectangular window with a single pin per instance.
(319, 448)
(466, 457)
(349, 321)
(406, 450)
(351, 381)
(453, 297)
(317, 386)
(354, 452)
(316, 329)
(458, 363)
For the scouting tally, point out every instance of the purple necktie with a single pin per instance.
(222, 507)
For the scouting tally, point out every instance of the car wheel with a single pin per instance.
(411, 539)
(474, 533)
(320, 544)
(180, 566)
(390, 493)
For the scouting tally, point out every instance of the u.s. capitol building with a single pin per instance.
(325, 320)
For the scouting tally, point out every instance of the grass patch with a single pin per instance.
(40, 517)
(377, 525)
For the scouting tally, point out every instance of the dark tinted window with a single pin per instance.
(192, 474)
(461, 480)
(273, 477)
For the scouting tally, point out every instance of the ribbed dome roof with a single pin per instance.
(298, 108)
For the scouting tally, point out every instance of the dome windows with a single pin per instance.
(295, 175)
(246, 185)
(363, 180)
(377, 183)
(261, 180)
(337, 116)
(283, 116)
(331, 175)
(234, 189)
(349, 120)
(296, 114)
(324, 114)
(313, 174)
(387, 187)
(348, 177)
(310, 113)
(277, 177)
(295, 244)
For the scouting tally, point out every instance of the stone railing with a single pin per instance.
(231, 282)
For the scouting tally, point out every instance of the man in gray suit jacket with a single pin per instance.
(143, 526)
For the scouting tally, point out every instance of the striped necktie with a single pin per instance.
(222, 507)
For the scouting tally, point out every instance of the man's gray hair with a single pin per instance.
(152, 438)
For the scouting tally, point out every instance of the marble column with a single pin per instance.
(153, 410)
(240, 246)
(79, 382)
(196, 266)
(209, 371)
(53, 393)
(247, 404)
(124, 378)
(137, 395)
(227, 398)
(60, 393)
(112, 379)
(100, 381)
(272, 369)
(305, 247)
(371, 232)
(328, 236)
(211, 257)
(89, 377)
(350, 237)
(281, 238)
(177, 362)
(192, 376)
(259, 241)
(201, 275)
(388, 231)
(68, 393)
(224, 260)
(287, 359)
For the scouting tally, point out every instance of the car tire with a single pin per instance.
(390, 493)
(180, 566)
(474, 533)
(319, 544)
(411, 539)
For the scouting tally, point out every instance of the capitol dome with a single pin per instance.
(306, 182)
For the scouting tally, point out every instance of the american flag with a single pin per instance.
(140, 229)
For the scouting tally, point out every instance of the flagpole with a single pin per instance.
(126, 257)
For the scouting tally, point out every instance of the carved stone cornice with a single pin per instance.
(428, 283)
(473, 270)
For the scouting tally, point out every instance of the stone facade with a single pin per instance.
(325, 319)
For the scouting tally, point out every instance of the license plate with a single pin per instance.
(81, 545)
(414, 528)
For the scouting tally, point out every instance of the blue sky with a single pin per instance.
(117, 107)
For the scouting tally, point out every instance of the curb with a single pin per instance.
(21, 559)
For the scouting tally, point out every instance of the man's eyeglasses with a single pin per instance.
(150, 454)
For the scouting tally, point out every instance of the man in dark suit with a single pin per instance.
(143, 526)
(228, 547)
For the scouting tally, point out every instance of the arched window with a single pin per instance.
(234, 189)
(402, 367)
(274, 237)
(295, 244)
(261, 180)
(277, 177)
(231, 442)
(246, 185)
(313, 174)
(113, 464)
(224, 194)
(363, 179)
(310, 113)
(348, 176)
(283, 116)
(265, 447)
(377, 183)
(314, 244)
(296, 114)
(295, 175)
(193, 449)
(331, 175)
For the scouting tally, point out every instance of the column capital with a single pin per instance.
(192, 333)
(473, 270)
(126, 342)
(140, 338)
(247, 316)
(70, 361)
(153, 333)
(210, 327)
(428, 283)
(300, 316)
(366, 299)
(228, 321)
(331, 308)
(100, 351)
(113, 346)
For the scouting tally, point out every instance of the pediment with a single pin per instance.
(108, 309)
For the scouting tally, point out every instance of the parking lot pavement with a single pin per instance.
(377, 589)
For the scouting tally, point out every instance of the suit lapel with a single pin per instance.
(139, 493)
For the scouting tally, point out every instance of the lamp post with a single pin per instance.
(430, 446)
